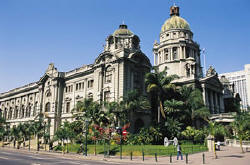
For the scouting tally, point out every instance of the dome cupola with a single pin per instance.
(175, 21)
(122, 31)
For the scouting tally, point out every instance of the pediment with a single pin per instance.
(140, 58)
(212, 80)
(43, 79)
(104, 57)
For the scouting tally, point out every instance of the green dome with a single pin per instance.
(123, 30)
(175, 22)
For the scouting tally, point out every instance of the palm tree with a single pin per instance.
(159, 86)
(194, 107)
(241, 125)
(31, 131)
(38, 129)
(2, 129)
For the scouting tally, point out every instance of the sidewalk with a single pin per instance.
(227, 155)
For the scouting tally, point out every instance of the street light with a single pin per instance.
(86, 136)
(119, 131)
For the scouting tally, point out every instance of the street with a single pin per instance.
(14, 157)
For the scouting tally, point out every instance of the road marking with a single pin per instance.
(3, 157)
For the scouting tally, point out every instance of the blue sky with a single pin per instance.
(71, 33)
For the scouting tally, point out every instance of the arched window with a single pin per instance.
(5, 113)
(47, 107)
(108, 75)
(10, 113)
(48, 93)
(35, 108)
(16, 112)
(90, 96)
(22, 111)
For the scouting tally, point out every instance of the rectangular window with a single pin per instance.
(76, 87)
(90, 83)
(67, 107)
(175, 54)
(80, 86)
(107, 96)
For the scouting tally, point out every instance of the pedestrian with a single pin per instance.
(179, 151)
(218, 145)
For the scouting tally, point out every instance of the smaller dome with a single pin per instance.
(175, 22)
(123, 30)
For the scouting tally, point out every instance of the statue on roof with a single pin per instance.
(211, 72)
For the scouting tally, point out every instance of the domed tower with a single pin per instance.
(177, 52)
(121, 39)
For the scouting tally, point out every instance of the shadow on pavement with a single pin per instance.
(234, 156)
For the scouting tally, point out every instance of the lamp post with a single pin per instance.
(119, 131)
(86, 136)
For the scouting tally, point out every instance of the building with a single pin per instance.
(178, 54)
(240, 81)
(119, 68)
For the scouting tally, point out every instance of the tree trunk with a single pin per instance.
(67, 145)
(162, 110)
(95, 147)
(215, 155)
(29, 141)
(23, 142)
(241, 145)
(37, 142)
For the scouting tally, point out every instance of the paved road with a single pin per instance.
(12, 157)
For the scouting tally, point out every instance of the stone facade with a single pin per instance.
(119, 68)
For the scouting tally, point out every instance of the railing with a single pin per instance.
(236, 143)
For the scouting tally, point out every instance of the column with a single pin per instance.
(184, 54)
(171, 54)
(216, 103)
(181, 55)
(212, 102)
(154, 59)
(222, 108)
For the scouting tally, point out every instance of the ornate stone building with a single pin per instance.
(178, 54)
(119, 68)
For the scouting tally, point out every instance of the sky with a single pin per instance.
(71, 33)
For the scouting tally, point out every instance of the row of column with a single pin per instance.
(21, 112)
(213, 100)
(181, 53)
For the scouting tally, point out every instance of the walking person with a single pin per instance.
(179, 151)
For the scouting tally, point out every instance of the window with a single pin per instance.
(10, 113)
(108, 75)
(69, 88)
(90, 96)
(79, 86)
(16, 112)
(67, 107)
(107, 96)
(175, 54)
(90, 83)
(187, 52)
(35, 108)
(47, 107)
(166, 54)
